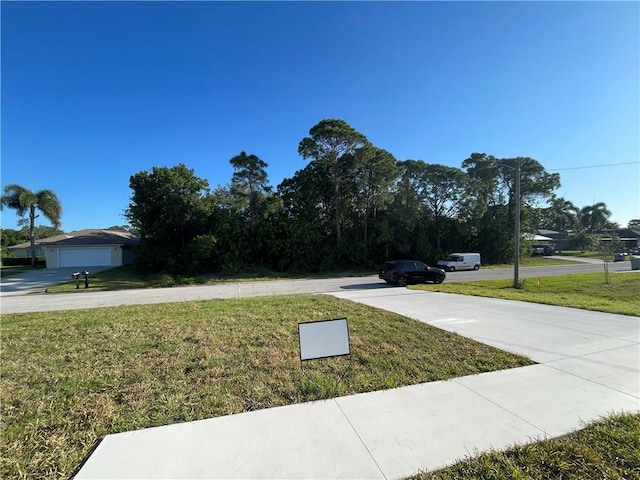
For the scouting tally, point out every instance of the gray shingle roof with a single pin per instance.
(86, 237)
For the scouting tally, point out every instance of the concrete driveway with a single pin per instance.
(33, 281)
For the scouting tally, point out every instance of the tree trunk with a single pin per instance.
(32, 233)
(336, 204)
(366, 225)
(338, 229)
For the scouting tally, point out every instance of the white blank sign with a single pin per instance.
(326, 338)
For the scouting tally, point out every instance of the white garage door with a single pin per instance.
(84, 257)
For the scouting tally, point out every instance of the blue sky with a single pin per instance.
(94, 92)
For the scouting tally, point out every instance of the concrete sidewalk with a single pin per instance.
(589, 367)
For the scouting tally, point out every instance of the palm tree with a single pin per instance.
(23, 200)
(562, 214)
(594, 217)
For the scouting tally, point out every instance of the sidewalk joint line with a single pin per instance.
(631, 344)
(546, 435)
(360, 438)
(594, 382)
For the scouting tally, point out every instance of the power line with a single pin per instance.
(594, 166)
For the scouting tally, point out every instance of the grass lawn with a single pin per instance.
(537, 261)
(123, 278)
(606, 449)
(71, 377)
(589, 254)
(587, 291)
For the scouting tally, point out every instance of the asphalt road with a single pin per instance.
(21, 301)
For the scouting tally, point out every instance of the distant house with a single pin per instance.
(630, 238)
(552, 235)
(83, 249)
(543, 236)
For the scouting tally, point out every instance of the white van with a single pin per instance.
(460, 261)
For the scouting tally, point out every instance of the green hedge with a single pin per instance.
(14, 261)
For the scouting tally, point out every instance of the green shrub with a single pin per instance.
(201, 255)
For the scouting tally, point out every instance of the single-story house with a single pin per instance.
(537, 237)
(83, 248)
(630, 238)
(552, 235)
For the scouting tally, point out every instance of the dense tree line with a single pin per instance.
(353, 204)
(10, 236)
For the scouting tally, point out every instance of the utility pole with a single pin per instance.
(516, 239)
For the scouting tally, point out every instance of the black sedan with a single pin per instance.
(403, 272)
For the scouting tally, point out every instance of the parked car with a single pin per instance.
(403, 272)
(460, 261)
(542, 249)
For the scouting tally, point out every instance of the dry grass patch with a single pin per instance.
(69, 378)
